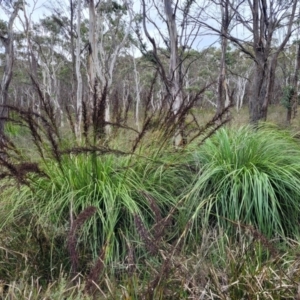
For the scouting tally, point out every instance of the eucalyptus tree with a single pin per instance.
(288, 78)
(7, 39)
(223, 93)
(69, 18)
(54, 59)
(127, 88)
(173, 27)
(137, 93)
(110, 25)
(295, 95)
(28, 48)
(241, 78)
(266, 20)
(45, 54)
(224, 20)
(262, 21)
(78, 77)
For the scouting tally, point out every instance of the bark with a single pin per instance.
(241, 90)
(73, 49)
(293, 104)
(54, 89)
(78, 75)
(174, 75)
(108, 62)
(266, 18)
(258, 89)
(50, 68)
(27, 28)
(92, 58)
(137, 94)
(8, 42)
(93, 68)
(295, 83)
(264, 26)
(102, 61)
(223, 96)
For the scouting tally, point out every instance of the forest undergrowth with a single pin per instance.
(128, 216)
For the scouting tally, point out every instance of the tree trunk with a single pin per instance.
(33, 64)
(292, 109)
(78, 75)
(72, 45)
(174, 77)
(96, 101)
(223, 97)
(295, 83)
(137, 94)
(241, 89)
(258, 90)
(263, 31)
(8, 42)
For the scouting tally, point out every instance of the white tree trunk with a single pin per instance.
(223, 94)
(8, 42)
(174, 76)
(137, 94)
(78, 76)
(241, 83)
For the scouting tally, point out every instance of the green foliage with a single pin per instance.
(251, 177)
(12, 129)
(230, 58)
(53, 24)
(288, 92)
(110, 7)
(15, 127)
(245, 175)
(116, 185)
(193, 88)
(209, 94)
(3, 27)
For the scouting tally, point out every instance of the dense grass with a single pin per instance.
(243, 271)
(116, 186)
(201, 222)
(251, 177)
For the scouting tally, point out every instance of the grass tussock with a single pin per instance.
(251, 177)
